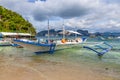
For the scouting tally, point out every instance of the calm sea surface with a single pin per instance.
(14, 61)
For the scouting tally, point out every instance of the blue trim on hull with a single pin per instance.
(51, 46)
(104, 50)
(51, 50)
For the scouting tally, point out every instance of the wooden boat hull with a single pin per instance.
(34, 47)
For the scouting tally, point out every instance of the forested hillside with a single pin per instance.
(13, 22)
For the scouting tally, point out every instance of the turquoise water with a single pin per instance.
(109, 63)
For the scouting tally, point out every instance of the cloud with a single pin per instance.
(93, 15)
(20, 6)
(64, 9)
(112, 1)
(51, 8)
(73, 11)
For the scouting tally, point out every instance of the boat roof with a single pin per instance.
(70, 32)
(74, 32)
(14, 34)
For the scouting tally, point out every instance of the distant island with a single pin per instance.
(54, 32)
(13, 22)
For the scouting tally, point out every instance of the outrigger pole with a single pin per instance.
(104, 50)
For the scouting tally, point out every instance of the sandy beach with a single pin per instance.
(18, 68)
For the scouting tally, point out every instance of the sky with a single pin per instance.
(91, 15)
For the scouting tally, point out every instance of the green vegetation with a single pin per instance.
(13, 22)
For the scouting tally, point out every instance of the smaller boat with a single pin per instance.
(5, 43)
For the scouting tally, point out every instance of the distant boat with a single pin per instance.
(7, 37)
(5, 43)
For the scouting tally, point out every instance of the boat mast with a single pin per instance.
(76, 31)
(48, 32)
(63, 31)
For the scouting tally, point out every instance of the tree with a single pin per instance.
(13, 22)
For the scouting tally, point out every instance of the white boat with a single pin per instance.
(35, 46)
(50, 46)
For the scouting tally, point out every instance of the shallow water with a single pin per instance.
(69, 64)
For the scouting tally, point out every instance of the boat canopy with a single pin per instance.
(10, 34)
(74, 32)
(69, 32)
